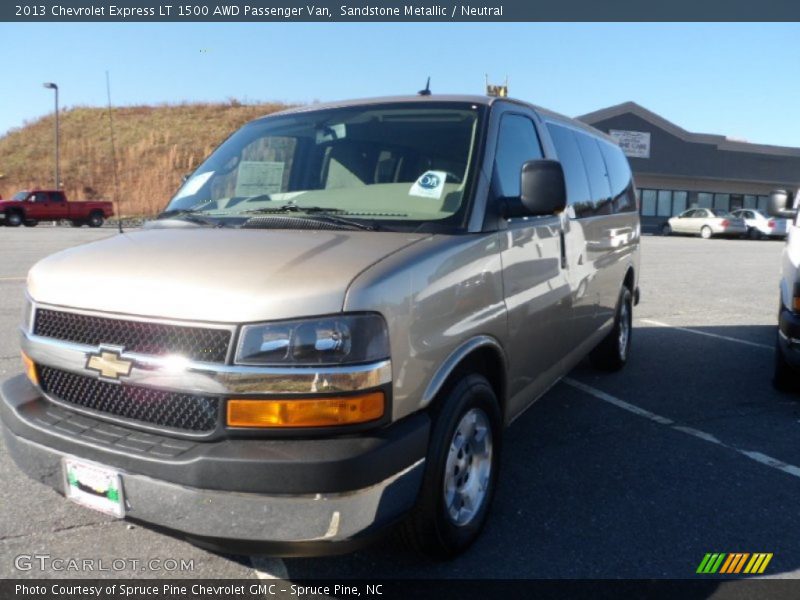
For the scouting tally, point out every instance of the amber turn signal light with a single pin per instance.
(30, 368)
(306, 412)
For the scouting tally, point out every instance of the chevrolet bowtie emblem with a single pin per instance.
(108, 363)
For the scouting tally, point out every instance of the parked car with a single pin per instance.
(761, 226)
(705, 222)
(786, 372)
(28, 207)
(330, 326)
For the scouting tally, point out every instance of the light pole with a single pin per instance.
(54, 87)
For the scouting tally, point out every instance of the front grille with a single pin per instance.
(157, 407)
(159, 339)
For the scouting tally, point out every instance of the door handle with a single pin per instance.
(563, 245)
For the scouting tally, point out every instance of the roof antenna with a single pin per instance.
(427, 90)
(113, 153)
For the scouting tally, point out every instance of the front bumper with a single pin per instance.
(289, 496)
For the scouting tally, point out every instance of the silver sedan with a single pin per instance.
(705, 222)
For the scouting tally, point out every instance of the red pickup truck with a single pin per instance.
(31, 206)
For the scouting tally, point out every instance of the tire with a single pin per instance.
(96, 220)
(706, 232)
(14, 219)
(666, 229)
(31, 223)
(76, 223)
(612, 353)
(442, 525)
(753, 234)
(783, 376)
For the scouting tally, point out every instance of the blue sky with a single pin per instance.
(741, 80)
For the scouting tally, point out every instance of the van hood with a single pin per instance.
(215, 275)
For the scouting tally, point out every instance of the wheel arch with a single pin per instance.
(483, 355)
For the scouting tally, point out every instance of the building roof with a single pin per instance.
(720, 141)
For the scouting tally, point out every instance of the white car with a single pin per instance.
(760, 226)
(706, 222)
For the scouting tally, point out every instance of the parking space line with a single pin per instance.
(269, 568)
(763, 459)
(707, 334)
(13, 278)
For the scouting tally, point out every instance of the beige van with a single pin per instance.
(331, 324)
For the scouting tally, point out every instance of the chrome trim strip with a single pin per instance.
(231, 327)
(175, 373)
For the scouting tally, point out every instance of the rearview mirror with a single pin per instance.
(542, 190)
(779, 205)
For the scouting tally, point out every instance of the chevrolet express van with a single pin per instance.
(327, 330)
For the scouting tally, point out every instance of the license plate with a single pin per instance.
(94, 486)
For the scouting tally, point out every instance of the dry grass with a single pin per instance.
(155, 147)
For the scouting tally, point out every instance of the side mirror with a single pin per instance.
(543, 190)
(779, 205)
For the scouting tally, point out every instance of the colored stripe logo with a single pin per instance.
(734, 563)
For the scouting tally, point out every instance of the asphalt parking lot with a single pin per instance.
(637, 474)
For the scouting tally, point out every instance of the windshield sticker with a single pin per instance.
(259, 177)
(429, 185)
(191, 187)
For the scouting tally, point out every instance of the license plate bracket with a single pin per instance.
(94, 486)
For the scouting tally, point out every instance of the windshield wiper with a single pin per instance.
(187, 214)
(292, 207)
(321, 213)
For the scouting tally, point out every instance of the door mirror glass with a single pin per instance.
(542, 187)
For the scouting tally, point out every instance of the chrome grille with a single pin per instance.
(157, 407)
(158, 339)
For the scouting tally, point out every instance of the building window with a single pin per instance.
(750, 201)
(679, 202)
(664, 203)
(763, 201)
(705, 200)
(722, 201)
(648, 203)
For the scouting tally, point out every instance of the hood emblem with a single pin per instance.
(108, 363)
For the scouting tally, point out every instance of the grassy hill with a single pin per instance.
(155, 147)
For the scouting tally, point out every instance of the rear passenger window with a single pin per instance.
(517, 143)
(619, 174)
(599, 187)
(578, 193)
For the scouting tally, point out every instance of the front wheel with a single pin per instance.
(666, 229)
(612, 353)
(13, 219)
(754, 234)
(706, 232)
(460, 472)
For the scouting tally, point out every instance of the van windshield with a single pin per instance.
(397, 165)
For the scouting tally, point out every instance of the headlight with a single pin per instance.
(321, 341)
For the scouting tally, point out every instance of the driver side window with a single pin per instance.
(517, 142)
